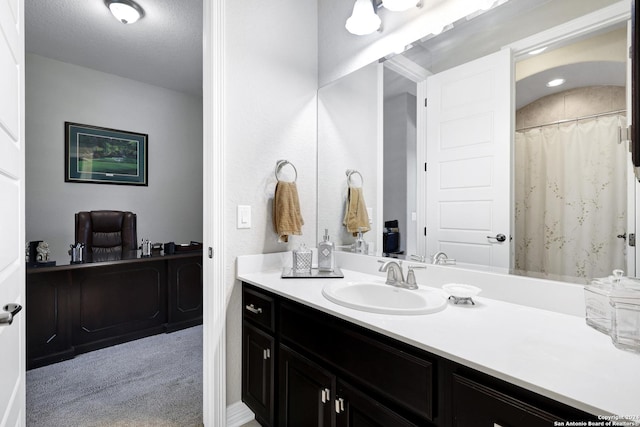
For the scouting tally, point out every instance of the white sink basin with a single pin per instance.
(382, 298)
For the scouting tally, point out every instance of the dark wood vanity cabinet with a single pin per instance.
(258, 351)
(258, 355)
(477, 405)
(330, 372)
(306, 392)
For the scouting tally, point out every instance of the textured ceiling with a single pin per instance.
(163, 49)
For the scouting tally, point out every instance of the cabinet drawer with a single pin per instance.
(477, 405)
(393, 375)
(258, 308)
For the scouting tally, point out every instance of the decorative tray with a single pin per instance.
(288, 273)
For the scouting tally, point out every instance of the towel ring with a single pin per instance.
(350, 172)
(282, 163)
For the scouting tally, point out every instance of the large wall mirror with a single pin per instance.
(499, 169)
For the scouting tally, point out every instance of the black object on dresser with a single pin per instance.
(303, 367)
(76, 308)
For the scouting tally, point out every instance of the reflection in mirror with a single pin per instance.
(596, 65)
(348, 137)
(399, 170)
(571, 168)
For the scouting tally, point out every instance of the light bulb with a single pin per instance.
(363, 20)
(555, 82)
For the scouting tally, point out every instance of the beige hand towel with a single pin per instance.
(355, 216)
(287, 219)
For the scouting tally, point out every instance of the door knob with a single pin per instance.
(10, 310)
(500, 238)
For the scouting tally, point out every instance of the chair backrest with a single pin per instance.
(107, 232)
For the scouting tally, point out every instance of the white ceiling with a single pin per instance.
(514, 20)
(582, 74)
(163, 49)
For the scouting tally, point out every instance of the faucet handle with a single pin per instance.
(411, 277)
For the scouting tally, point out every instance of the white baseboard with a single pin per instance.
(238, 414)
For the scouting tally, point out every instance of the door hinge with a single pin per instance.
(266, 353)
(425, 231)
(339, 405)
(425, 102)
(210, 252)
(425, 166)
(632, 239)
(624, 134)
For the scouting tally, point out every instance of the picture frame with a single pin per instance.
(100, 155)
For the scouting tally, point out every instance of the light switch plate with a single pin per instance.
(244, 216)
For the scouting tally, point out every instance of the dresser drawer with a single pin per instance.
(258, 308)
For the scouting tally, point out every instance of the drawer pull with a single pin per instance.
(266, 354)
(326, 396)
(339, 405)
(253, 309)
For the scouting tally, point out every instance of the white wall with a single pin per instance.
(271, 84)
(400, 166)
(168, 209)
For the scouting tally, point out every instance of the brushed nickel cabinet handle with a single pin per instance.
(253, 309)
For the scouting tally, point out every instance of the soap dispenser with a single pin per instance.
(326, 257)
(360, 246)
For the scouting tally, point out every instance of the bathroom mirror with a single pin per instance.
(346, 142)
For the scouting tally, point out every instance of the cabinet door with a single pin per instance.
(305, 392)
(258, 373)
(356, 409)
(185, 292)
(48, 320)
(476, 405)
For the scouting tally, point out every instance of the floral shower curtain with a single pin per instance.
(570, 199)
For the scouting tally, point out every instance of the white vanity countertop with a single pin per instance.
(556, 355)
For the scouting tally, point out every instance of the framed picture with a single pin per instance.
(105, 156)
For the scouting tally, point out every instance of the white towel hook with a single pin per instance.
(350, 172)
(282, 163)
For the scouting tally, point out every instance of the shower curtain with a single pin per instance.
(570, 199)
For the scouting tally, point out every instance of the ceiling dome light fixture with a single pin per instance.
(363, 20)
(125, 11)
(399, 5)
(555, 82)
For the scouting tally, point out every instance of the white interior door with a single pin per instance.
(12, 236)
(468, 152)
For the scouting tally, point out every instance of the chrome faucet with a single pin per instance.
(395, 277)
(441, 258)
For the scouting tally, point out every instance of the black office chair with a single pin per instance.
(107, 233)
